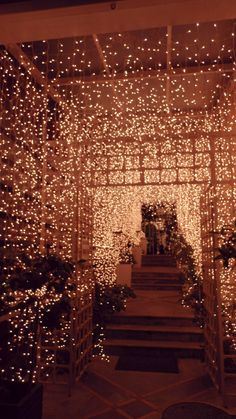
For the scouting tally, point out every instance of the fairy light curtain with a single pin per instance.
(118, 136)
(218, 228)
(45, 208)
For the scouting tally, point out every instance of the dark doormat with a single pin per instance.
(149, 364)
(194, 410)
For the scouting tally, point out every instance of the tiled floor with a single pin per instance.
(107, 393)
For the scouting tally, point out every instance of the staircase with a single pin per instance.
(155, 322)
(158, 272)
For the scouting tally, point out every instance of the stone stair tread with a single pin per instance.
(154, 274)
(165, 257)
(151, 284)
(129, 343)
(158, 260)
(155, 278)
(160, 286)
(156, 328)
(175, 284)
(154, 269)
(187, 315)
(160, 264)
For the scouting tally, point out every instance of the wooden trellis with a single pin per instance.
(64, 354)
(220, 359)
(212, 301)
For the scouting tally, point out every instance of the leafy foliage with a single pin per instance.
(125, 246)
(107, 301)
(192, 282)
(110, 299)
(227, 250)
(40, 290)
(194, 298)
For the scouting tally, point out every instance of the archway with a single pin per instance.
(158, 220)
(119, 209)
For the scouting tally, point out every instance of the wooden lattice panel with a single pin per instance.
(83, 335)
(65, 354)
(218, 285)
(213, 325)
(184, 159)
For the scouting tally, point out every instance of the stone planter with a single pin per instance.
(124, 274)
(137, 254)
(21, 400)
(143, 245)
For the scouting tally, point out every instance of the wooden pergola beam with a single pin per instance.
(168, 66)
(106, 68)
(101, 55)
(147, 74)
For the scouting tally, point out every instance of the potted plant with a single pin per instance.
(37, 297)
(108, 299)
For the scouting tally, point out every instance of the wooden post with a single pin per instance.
(168, 66)
(44, 184)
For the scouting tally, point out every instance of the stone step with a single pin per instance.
(158, 260)
(160, 269)
(153, 348)
(160, 287)
(163, 264)
(159, 256)
(175, 321)
(164, 272)
(154, 275)
(155, 280)
(149, 332)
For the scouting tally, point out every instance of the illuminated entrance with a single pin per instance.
(158, 221)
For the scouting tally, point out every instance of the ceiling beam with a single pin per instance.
(109, 184)
(106, 68)
(101, 55)
(28, 21)
(197, 113)
(33, 71)
(147, 74)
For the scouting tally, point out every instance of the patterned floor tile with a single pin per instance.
(105, 389)
(137, 408)
(110, 414)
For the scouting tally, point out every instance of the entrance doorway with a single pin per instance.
(159, 223)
